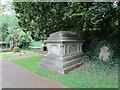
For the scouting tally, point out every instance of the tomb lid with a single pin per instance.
(64, 36)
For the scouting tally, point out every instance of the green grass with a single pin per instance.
(74, 79)
(36, 43)
(27, 52)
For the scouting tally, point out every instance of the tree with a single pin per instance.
(19, 38)
(87, 19)
(8, 20)
(4, 31)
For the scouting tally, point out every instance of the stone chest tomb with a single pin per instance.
(64, 52)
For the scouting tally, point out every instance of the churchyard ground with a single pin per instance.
(88, 75)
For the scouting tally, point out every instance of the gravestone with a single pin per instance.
(104, 53)
(64, 52)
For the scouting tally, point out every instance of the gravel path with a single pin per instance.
(14, 76)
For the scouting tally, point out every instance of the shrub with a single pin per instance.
(24, 39)
(4, 31)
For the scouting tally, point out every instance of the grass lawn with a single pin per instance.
(17, 54)
(79, 78)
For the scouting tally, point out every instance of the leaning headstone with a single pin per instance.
(64, 52)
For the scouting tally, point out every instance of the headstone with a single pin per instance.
(64, 52)
(104, 53)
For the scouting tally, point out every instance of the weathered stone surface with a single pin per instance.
(64, 52)
(104, 53)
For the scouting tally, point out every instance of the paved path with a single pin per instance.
(14, 76)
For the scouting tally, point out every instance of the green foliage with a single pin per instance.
(93, 20)
(2, 47)
(76, 78)
(36, 43)
(113, 47)
(11, 20)
(24, 39)
(88, 19)
(21, 38)
(4, 31)
(7, 25)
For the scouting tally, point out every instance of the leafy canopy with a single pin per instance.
(90, 20)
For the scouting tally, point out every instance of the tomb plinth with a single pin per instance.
(64, 52)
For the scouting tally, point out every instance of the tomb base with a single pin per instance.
(62, 65)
